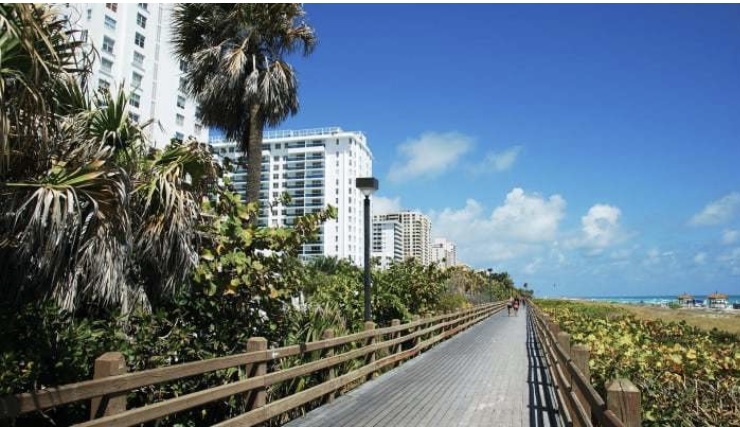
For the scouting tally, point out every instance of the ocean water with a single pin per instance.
(656, 299)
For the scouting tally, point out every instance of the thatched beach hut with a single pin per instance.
(717, 300)
(686, 300)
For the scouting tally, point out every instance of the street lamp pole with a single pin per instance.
(367, 186)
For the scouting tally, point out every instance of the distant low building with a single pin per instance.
(417, 230)
(717, 300)
(387, 241)
(444, 252)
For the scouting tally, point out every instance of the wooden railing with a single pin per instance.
(580, 403)
(111, 384)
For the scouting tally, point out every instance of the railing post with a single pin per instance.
(623, 398)
(330, 373)
(108, 365)
(370, 357)
(397, 347)
(554, 327)
(579, 353)
(258, 397)
(415, 341)
(564, 341)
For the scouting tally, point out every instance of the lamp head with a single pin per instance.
(367, 185)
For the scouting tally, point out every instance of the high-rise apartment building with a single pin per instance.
(444, 252)
(416, 229)
(133, 48)
(387, 238)
(316, 168)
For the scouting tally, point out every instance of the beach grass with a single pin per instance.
(703, 318)
(706, 319)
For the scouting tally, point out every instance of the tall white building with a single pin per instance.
(133, 45)
(416, 232)
(317, 168)
(444, 252)
(387, 241)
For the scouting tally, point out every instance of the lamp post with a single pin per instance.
(490, 285)
(367, 186)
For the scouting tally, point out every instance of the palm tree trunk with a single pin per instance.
(254, 152)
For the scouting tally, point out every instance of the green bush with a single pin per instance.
(687, 377)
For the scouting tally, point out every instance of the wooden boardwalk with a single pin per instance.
(490, 375)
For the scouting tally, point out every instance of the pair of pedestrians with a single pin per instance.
(512, 303)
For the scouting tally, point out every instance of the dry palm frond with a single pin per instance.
(166, 238)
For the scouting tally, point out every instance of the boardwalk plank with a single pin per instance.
(492, 374)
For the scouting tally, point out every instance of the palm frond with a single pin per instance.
(166, 239)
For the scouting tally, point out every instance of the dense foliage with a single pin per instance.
(687, 377)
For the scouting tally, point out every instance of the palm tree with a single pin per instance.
(88, 213)
(236, 69)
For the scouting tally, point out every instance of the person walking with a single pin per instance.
(516, 306)
(509, 304)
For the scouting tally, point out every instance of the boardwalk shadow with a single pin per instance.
(543, 407)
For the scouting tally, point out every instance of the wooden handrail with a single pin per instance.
(438, 328)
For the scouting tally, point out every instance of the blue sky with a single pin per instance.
(596, 147)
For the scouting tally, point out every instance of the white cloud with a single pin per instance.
(718, 212)
(601, 226)
(383, 205)
(498, 162)
(700, 258)
(429, 155)
(523, 224)
(732, 260)
(654, 257)
(600, 229)
(529, 217)
(730, 236)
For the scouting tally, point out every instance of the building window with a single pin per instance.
(110, 23)
(106, 65)
(89, 14)
(136, 79)
(108, 44)
(133, 116)
(139, 40)
(179, 119)
(274, 185)
(138, 59)
(144, 6)
(83, 35)
(103, 84)
(179, 136)
(183, 85)
(112, 6)
(135, 100)
(198, 129)
(141, 20)
(183, 66)
(180, 102)
(275, 176)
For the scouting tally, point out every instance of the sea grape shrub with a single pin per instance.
(687, 377)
